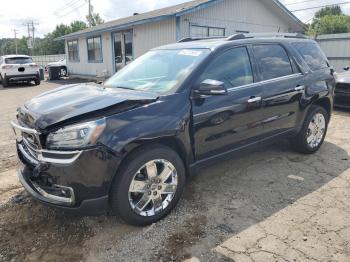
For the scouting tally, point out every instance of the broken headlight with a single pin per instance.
(76, 136)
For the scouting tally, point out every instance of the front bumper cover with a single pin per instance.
(87, 207)
(77, 181)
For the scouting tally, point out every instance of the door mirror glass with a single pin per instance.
(347, 68)
(212, 87)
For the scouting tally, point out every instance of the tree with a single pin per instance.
(335, 24)
(329, 10)
(77, 26)
(50, 46)
(47, 45)
(329, 20)
(94, 18)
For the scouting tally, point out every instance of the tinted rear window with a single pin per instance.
(273, 61)
(18, 60)
(312, 55)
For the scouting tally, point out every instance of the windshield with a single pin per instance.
(18, 60)
(159, 71)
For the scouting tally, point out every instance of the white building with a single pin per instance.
(336, 48)
(101, 50)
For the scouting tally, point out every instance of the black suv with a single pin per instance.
(127, 146)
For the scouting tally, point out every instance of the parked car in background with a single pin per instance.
(62, 64)
(128, 145)
(18, 68)
(342, 89)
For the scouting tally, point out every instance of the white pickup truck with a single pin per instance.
(18, 68)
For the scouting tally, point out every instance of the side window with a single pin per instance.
(232, 67)
(273, 61)
(312, 55)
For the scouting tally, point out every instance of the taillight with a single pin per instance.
(7, 66)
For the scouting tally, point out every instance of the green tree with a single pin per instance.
(333, 24)
(50, 46)
(329, 10)
(77, 26)
(8, 46)
(94, 19)
(329, 20)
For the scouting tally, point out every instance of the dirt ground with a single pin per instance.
(270, 205)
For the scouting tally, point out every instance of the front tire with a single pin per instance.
(148, 185)
(313, 132)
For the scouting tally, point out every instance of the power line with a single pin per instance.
(295, 3)
(65, 14)
(316, 7)
(67, 6)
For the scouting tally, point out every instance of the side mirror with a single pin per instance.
(347, 68)
(211, 87)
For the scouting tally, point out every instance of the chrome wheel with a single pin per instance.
(63, 72)
(153, 187)
(316, 130)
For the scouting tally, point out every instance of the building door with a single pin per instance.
(123, 49)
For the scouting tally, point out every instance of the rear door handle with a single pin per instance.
(254, 99)
(299, 88)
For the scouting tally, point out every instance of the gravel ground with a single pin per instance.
(270, 205)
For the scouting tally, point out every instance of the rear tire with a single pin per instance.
(135, 186)
(313, 132)
(37, 81)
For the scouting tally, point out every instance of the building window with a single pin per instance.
(206, 31)
(94, 47)
(73, 52)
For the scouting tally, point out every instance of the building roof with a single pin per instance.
(159, 14)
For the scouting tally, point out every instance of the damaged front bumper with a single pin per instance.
(75, 181)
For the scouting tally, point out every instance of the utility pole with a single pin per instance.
(89, 2)
(31, 35)
(15, 31)
(33, 30)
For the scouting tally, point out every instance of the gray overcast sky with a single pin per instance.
(48, 13)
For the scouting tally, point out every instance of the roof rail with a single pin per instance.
(236, 37)
(190, 39)
(245, 36)
(266, 35)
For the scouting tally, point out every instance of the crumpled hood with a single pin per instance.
(74, 100)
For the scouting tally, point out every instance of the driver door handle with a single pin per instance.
(254, 99)
(299, 88)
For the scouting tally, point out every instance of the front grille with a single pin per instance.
(342, 88)
(30, 148)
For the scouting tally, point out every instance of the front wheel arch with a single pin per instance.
(172, 142)
(326, 104)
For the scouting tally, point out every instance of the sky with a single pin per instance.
(46, 14)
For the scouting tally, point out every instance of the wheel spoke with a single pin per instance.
(154, 191)
(157, 203)
(169, 188)
(138, 186)
(166, 173)
(151, 168)
(316, 130)
(143, 202)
